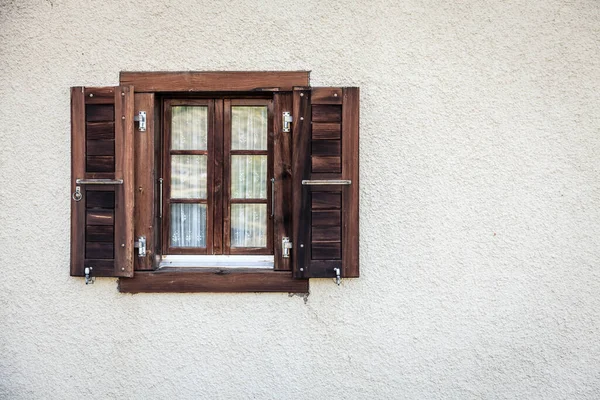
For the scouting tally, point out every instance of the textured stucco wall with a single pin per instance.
(480, 212)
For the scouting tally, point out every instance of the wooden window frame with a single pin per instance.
(237, 84)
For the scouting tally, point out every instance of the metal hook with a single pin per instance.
(338, 278)
(89, 279)
(77, 195)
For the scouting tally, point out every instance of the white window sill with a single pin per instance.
(217, 261)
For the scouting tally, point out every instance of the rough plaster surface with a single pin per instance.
(480, 191)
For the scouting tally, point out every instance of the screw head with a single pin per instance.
(91, 94)
(301, 269)
(123, 269)
(301, 245)
(335, 95)
(122, 244)
(123, 117)
(123, 94)
(301, 94)
(301, 118)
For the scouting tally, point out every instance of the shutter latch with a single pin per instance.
(89, 279)
(287, 120)
(141, 246)
(141, 118)
(286, 245)
(338, 278)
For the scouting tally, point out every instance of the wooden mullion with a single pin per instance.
(226, 176)
(249, 201)
(270, 140)
(188, 201)
(209, 177)
(190, 152)
(218, 185)
(166, 189)
(249, 152)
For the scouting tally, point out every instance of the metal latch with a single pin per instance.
(141, 246)
(286, 245)
(287, 120)
(338, 278)
(141, 118)
(89, 279)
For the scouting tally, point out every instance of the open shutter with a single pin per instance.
(102, 181)
(325, 182)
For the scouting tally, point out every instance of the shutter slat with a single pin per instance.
(102, 147)
(325, 217)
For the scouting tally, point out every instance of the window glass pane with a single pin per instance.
(248, 177)
(248, 128)
(188, 177)
(248, 225)
(188, 225)
(189, 126)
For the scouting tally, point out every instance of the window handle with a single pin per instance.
(272, 197)
(160, 200)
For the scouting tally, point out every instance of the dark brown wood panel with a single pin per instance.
(186, 280)
(100, 95)
(214, 81)
(99, 217)
(99, 233)
(100, 267)
(145, 180)
(326, 95)
(350, 230)
(78, 169)
(326, 218)
(282, 170)
(326, 131)
(326, 251)
(326, 164)
(100, 147)
(100, 164)
(100, 199)
(301, 170)
(327, 233)
(124, 194)
(326, 200)
(99, 112)
(327, 148)
(100, 130)
(326, 113)
(99, 250)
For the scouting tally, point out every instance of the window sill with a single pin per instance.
(216, 280)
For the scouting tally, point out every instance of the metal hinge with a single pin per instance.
(286, 245)
(287, 120)
(141, 246)
(141, 118)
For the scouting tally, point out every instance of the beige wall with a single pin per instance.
(480, 205)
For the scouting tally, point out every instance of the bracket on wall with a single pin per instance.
(141, 118)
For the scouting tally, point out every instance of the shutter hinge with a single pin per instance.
(141, 118)
(286, 245)
(140, 244)
(89, 279)
(287, 120)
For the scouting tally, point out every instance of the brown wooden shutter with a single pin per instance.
(102, 152)
(325, 182)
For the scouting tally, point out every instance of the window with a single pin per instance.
(221, 170)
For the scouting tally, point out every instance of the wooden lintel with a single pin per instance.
(217, 81)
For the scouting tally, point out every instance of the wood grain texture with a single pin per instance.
(326, 164)
(326, 130)
(301, 134)
(213, 81)
(78, 165)
(124, 145)
(100, 130)
(327, 113)
(350, 157)
(100, 199)
(145, 180)
(326, 200)
(99, 233)
(326, 95)
(186, 280)
(282, 170)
